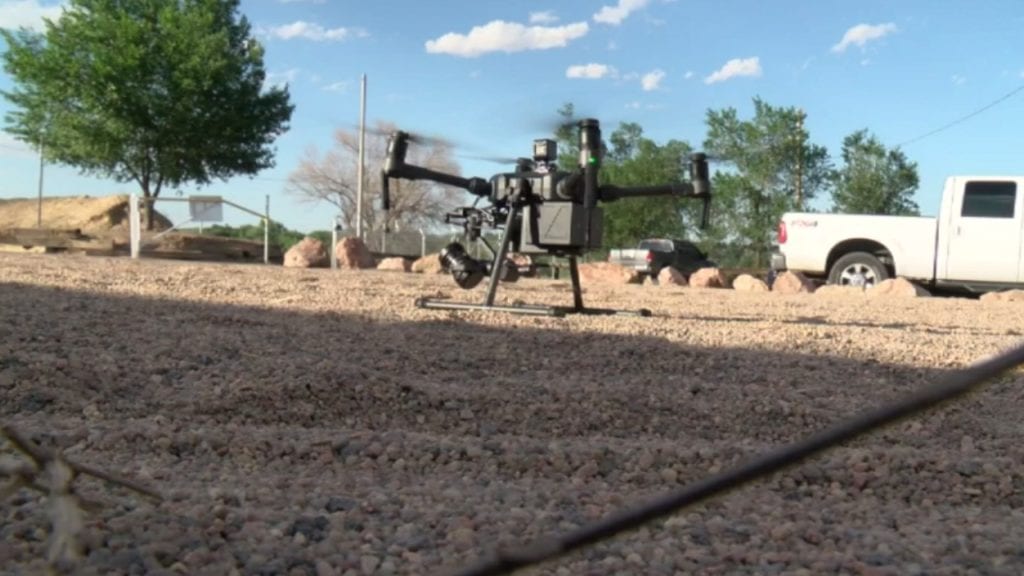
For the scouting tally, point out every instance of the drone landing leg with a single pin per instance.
(492, 286)
(577, 298)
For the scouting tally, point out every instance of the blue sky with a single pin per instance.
(487, 74)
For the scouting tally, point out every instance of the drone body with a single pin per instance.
(541, 210)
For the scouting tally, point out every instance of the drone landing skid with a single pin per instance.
(532, 310)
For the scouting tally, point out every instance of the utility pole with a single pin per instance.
(359, 169)
(800, 159)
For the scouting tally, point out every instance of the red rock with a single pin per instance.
(352, 252)
(307, 253)
(429, 264)
(669, 276)
(395, 264)
(897, 288)
(708, 278)
(792, 283)
(747, 283)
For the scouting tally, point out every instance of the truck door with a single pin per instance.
(984, 235)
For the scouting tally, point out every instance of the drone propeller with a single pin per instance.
(413, 137)
(492, 159)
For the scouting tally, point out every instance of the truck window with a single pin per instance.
(656, 245)
(989, 199)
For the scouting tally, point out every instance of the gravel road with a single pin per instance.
(315, 422)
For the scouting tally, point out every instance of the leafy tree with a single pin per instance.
(332, 177)
(772, 159)
(279, 235)
(159, 92)
(567, 136)
(873, 179)
(634, 160)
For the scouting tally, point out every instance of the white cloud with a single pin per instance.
(958, 79)
(736, 68)
(27, 14)
(545, 17)
(652, 80)
(590, 71)
(635, 105)
(339, 87)
(861, 34)
(311, 31)
(279, 79)
(501, 36)
(614, 15)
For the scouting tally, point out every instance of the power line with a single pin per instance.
(1002, 98)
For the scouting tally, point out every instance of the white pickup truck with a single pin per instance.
(973, 244)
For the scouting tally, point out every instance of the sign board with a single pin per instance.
(205, 208)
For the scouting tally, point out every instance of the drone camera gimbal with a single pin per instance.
(540, 210)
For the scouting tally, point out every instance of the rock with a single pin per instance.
(396, 264)
(708, 278)
(747, 283)
(352, 253)
(790, 282)
(307, 253)
(369, 563)
(429, 264)
(1006, 296)
(523, 262)
(608, 272)
(669, 276)
(897, 288)
(838, 290)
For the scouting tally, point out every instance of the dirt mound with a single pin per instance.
(101, 216)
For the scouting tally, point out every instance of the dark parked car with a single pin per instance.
(653, 254)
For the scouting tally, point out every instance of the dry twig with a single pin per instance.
(49, 473)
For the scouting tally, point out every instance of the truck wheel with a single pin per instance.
(858, 269)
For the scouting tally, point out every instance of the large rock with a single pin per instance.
(609, 273)
(1006, 296)
(708, 278)
(790, 282)
(397, 264)
(429, 264)
(307, 253)
(747, 283)
(897, 288)
(351, 252)
(839, 290)
(669, 276)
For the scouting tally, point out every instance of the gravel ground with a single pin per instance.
(315, 422)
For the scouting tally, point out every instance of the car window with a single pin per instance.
(656, 245)
(989, 199)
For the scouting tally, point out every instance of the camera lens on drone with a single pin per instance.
(466, 271)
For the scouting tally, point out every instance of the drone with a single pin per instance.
(539, 209)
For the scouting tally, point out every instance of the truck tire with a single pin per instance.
(858, 269)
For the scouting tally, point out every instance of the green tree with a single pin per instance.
(567, 136)
(776, 169)
(159, 92)
(634, 160)
(873, 179)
